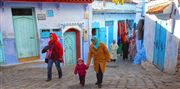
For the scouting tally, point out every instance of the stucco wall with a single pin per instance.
(172, 43)
(149, 34)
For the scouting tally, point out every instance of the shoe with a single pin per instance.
(48, 80)
(60, 77)
(96, 83)
(99, 85)
(82, 85)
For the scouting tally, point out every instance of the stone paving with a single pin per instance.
(119, 75)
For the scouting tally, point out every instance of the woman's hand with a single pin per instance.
(60, 59)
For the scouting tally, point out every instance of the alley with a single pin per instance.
(120, 75)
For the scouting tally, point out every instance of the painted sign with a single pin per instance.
(41, 16)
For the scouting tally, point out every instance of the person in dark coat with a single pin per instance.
(56, 56)
(125, 49)
(80, 69)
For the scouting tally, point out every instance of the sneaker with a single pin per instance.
(60, 77)
(99, 85)
(82, 85)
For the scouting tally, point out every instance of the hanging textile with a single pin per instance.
(119, 32)
(119, 28)
(140, 54)
(124, 31)
(140, 29)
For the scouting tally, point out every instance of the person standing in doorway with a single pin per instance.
(99, 52)
(125, 49)
(56, 56)
(113, 51)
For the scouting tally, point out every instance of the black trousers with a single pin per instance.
(99, 75)
(82, 79)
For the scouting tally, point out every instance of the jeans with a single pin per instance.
(58, 67)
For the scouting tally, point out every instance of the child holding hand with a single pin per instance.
(80, 69)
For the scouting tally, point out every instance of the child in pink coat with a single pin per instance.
(80, 69)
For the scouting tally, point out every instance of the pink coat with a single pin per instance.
(80, 69)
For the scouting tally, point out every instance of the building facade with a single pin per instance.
(25, 28)
(108, 18)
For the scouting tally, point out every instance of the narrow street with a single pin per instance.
(119, 75)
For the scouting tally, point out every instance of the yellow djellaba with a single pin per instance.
(118, 1)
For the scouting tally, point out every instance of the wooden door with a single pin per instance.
(70, 47)
(25, 34)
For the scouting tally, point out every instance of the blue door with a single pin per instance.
(1, 49)
(102, 35)
(97, 27)
(109, 24)
(70, 47)
(25, 32)
(155, 55)
(162, 46)
(159, 46)
(26, 37)
(110, 36)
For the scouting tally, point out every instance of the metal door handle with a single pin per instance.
(32, 37)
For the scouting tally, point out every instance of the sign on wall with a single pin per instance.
(85, 35)
(41, 16)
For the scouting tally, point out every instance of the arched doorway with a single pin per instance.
(71, 46)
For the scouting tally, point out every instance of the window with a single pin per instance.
(21, 12)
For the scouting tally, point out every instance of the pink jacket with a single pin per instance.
(80, 69)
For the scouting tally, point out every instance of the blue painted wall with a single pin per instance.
(10, 51)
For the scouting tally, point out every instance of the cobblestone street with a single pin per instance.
(120, 75)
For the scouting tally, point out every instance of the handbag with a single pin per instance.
(46, 60)
(48, 55)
